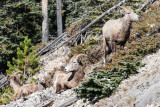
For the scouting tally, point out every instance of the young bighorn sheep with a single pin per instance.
(26, 89)
(46, 76)
(16, 86)
(117, 32)
(72, 75)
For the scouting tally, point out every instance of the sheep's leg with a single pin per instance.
(14, 97)
(113, 47)
(122, 47)
(105, 51)
(18, 95)
(71, 84)
(58, 88)
(65, 87)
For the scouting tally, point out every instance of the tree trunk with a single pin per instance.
(59, 17)
(45, 28)
(48, 47)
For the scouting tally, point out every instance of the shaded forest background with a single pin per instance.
(20, 18)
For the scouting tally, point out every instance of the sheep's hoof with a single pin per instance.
(125, 48)
(24, 98)
(122, 49)
(108, 60)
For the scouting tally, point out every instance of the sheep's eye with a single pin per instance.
(74, 62)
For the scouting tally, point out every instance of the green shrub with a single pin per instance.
(26, 63)
(1, 101)
(103, 84)
(18, 18)
(108, 77)
(6, 96)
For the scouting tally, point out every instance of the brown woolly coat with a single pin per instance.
(23, 90)
(117, 32)
(63, 80)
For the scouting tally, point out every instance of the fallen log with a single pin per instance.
(4, 82)
(46, 48)
(69, 102)
(146, 4)
(89, 25)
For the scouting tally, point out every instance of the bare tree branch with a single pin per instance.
(69, 102)
(3, 82)
(48, 47)
(146, 4)
(89, 25)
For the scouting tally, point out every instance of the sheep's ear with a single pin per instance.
(62, 68)
(129, 9)
(126, 10)
(18, 76)
(80, 60)
(7, 77)
(122, 12)
(14, 78)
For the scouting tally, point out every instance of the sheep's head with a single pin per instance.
(49, 74)
(11, 78)
(41, 78)
(75, 63)
(14, 78)
(14, 75)
(130, 13)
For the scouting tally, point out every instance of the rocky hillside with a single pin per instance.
(140, 90)
(129, 86)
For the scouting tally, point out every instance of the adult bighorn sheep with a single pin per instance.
(26, 89)
(73, 74)
(117, 32)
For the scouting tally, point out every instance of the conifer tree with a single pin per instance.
(102, 84)
(26, 61)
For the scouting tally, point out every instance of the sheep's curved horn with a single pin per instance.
(7, 77)
(15, 74)
(122, 7)
(80, 59)
(126, 9)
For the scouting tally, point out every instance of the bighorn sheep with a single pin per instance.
(26, 89)
(73, 76)
(47, 77)
(16, 86)
(117, 32)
